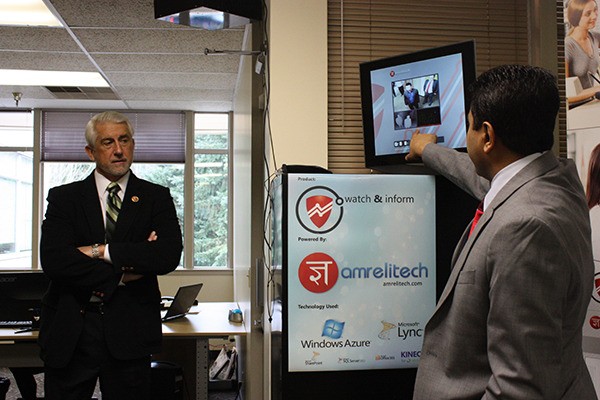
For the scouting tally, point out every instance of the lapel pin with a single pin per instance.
(135, 199)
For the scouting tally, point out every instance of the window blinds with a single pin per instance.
(159, 136)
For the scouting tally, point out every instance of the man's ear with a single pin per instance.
(489, 137)
(90, 153)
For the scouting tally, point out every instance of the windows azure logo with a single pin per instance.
(333, 329)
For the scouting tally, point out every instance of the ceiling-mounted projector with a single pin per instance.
(208, 14)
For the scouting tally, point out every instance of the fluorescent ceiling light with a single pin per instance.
(26, 13)
(23, 77)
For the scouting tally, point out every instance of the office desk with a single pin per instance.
(182, 338)
(190, 335)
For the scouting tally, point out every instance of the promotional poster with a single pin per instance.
(583, 128)
(361, 270)
(582, 62)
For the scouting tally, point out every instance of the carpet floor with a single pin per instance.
(13, 390)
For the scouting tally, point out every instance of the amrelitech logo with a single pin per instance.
(318, 272)
(319, 209)
(595, 322)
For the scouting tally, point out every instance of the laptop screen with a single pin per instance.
(183, 301)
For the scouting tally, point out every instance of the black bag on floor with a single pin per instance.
(167, 381)
(4, 385)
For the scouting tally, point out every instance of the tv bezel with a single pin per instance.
(467, 51)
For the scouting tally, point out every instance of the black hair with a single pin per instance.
(521, 103)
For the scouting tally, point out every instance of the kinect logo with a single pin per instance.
(319, 209)
(318, 272)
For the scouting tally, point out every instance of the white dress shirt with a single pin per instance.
(505, 175)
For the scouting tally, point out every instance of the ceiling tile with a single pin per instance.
(167, 63)
(150, 64)
(37, 39)
(213, 81)
(197, 105)
(51, 61)
(157, 40)
(109, 13)
(170, 94)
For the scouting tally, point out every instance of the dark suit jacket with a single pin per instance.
(412, 98)
(508, 325)
(434, 86)
(132, 312)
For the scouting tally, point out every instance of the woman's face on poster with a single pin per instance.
(589, 15)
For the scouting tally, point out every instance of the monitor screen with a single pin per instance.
(20, 293)
(424, 90)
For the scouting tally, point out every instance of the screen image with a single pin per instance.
(423, 90)
(414, 108)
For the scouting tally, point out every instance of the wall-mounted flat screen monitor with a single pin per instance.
(424, 90)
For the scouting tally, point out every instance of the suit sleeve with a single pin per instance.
(64, 264)
(457, 167)
(158, 257)
(528, 291)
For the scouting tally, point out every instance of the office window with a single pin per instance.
(204, 180)
(211, 190)
(16, 183)
(171, 176)
(159, 150)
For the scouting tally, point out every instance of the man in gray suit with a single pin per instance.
(508, 324)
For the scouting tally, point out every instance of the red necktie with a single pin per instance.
(478, 214)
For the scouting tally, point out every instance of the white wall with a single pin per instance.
(297, 33)
(298, 69)
(247, 228)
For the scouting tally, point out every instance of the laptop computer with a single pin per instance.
(182, 302)
(21, 298)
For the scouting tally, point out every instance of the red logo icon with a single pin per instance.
(595, 322)
(319, 209)
(318, 272)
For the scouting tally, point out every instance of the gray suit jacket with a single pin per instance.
(508, 324)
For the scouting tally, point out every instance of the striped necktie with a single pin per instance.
(113, 206)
